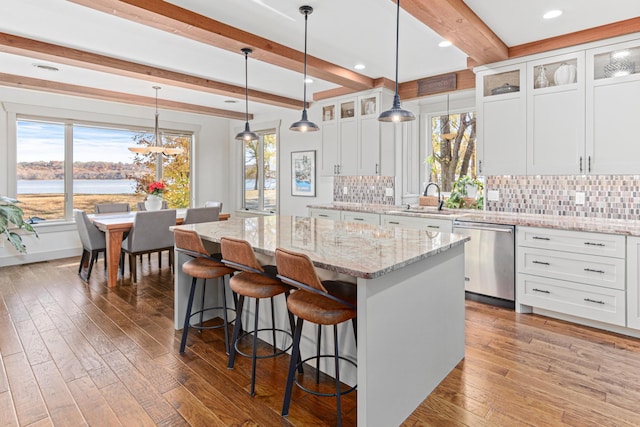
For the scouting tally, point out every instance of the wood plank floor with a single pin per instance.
(75, 353)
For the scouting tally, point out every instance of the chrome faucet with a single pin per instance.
(440, 201)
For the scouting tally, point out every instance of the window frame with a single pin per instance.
(262, 129)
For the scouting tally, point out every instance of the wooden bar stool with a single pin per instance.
(257, 282)
(202, 266)
(326, 302)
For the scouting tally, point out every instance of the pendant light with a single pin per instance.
(304, 125)
(157, 140)
(396, 113)
(246, 134)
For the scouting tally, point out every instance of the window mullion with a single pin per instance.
(68, 171)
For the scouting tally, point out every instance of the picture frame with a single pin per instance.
(303, 173)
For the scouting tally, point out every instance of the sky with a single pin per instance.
(45, 141)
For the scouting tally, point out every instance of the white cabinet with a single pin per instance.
(633, 282)
(354, 142)
(501, 124)
(613, 91)
(365, 217)
(555, 115)
(325, 213)
(428, 224)
(575, 273)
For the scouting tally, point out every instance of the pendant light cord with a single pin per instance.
(304, 92)
(246, 84)
(157, 133)
(397, 41)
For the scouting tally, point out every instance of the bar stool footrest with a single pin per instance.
(201, 328)
(264, 356)
(316, 393)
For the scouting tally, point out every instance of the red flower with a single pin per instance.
(156, 188)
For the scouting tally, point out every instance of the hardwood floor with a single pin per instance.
(75, 353)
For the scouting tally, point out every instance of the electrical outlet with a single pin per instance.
(345, 190)
(580, 197)
(388, 192)
(493, 195)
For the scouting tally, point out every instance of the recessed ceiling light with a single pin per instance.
(308, 80)
(445, 43)
(552, 14)
(46, 67)
(359, 66)
(231, 101)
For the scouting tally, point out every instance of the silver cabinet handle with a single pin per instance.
(377, 169)
(540, 238)
(324, 215)
(580, 164)
(433, 226)
(594, 244)
(540, 262)
(592, 300)
(541, 290)
(594, 271)
(480, 166)
(394, 222)
(358, 219)
(589, 163)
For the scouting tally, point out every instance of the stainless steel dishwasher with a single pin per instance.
(489, 262)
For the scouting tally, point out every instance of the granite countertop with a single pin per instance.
(355, 249)
(596, 225)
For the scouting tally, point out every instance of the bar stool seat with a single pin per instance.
(258, 282)
(202, 266)
(328, 302)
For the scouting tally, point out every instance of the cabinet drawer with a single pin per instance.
(590, 269)
(429, 224)
(577, 299)
(325, 213)
(368, 218)
(610, 245)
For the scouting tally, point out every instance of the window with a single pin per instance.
(453, 148)
(64, 165)
(261, 172)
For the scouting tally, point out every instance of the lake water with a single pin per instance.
(80, 186)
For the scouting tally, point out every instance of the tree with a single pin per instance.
(453, 140)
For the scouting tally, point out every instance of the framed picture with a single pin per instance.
(303, 171)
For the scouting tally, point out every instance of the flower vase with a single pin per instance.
(153, 203)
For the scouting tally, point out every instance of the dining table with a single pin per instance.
(115, 225)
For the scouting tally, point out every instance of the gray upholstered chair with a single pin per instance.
(195, 215)
(213, 204)
(93, 241)
(149, 233)
(112, 207)
(141, 206)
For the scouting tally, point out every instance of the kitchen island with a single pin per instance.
(410, 286)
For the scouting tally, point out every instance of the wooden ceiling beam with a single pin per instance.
(465, 79)
(178, 21)
(49, 52)
(22, 82)
(614, 29)
(456, 22)
(340, 91)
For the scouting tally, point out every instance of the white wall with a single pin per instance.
(210, 160)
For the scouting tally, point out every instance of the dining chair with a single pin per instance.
(142, 207)
(149, 233)
(112, 207)
(196, 215)
(213, 204)
(325, 303)
(93, 241)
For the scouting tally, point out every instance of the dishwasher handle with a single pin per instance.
(483, 226)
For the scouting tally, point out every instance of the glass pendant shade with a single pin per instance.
(396, 113)
(304, 124)
(246, 134)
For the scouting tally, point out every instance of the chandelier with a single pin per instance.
(156, 146)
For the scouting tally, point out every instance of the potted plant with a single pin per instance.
(466, 193)
(10, 213)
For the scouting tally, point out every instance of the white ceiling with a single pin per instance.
(341, 32)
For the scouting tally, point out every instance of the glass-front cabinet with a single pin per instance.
(612, 99)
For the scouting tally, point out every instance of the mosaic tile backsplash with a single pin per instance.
(363, 189)
(606, 196)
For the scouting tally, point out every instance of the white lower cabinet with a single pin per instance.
(428, 224)
(633, 282)
(576, 273)
(325, 213)
(365, 217)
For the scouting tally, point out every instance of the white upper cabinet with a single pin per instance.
(613, 108)
(501, 124)
(555, 115)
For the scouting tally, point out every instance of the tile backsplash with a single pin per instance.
(363, 189)
(606, 196)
